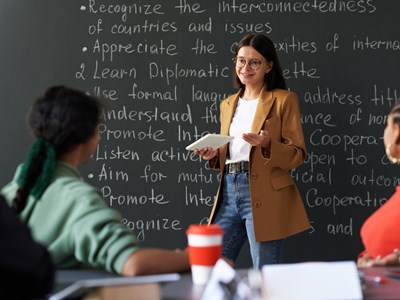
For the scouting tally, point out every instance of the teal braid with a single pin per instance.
(47, 168)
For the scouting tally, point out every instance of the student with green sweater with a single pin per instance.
(66, 214)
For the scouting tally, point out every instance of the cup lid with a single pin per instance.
(204, 229)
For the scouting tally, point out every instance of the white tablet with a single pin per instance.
(210, 140)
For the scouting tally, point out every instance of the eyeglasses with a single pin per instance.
(240, 62)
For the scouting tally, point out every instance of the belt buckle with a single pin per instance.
(234, 168)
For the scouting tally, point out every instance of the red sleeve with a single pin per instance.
(380, 232)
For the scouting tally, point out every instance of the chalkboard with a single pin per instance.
(162, 67)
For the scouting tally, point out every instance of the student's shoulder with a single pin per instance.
(66, 176)
(73, 192)
(73, 185)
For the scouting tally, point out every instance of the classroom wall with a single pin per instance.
(162, 67)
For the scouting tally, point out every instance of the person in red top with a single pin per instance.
(380, 232)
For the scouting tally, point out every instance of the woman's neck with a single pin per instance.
(251, 93)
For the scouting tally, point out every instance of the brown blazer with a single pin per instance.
(278, 209)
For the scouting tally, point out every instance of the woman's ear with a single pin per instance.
(270, 64)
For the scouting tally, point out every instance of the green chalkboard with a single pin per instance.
(162, 68)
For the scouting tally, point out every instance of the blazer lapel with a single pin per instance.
(230, 109)
(264, 105)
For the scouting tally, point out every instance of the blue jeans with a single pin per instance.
(235, 217)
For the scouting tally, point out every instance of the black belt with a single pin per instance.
(239, 167)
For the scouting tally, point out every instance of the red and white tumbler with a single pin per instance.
(205, 248)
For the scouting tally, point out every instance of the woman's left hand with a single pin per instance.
(388, 260)
(262, 139)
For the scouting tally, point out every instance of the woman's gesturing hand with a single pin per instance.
(262, 139)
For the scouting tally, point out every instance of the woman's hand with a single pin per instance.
(366, 260)
(262, 139)
(206, 153)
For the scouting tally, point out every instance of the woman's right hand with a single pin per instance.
(366, 260)
(206, 153)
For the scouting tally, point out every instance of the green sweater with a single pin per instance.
(72, 219)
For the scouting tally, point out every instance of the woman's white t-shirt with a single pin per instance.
(242, 121)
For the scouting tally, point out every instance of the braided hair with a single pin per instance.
(60, 119)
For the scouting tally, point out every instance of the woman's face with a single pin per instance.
(252, 73)
(388, 132)
(391, 137)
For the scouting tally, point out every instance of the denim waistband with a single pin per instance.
(238, 167)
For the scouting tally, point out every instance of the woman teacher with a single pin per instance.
(257, 198)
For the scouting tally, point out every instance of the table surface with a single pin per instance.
(388, 290)
(184, 289)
